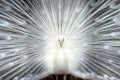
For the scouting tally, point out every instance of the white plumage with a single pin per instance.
(44, 37)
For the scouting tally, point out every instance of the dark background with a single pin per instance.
(60, 77)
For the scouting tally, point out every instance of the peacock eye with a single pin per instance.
(59, 39)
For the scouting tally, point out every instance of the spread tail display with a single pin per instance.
(39, 38)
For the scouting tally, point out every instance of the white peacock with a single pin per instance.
(44, 37)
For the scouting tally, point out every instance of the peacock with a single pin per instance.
(39, 38)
